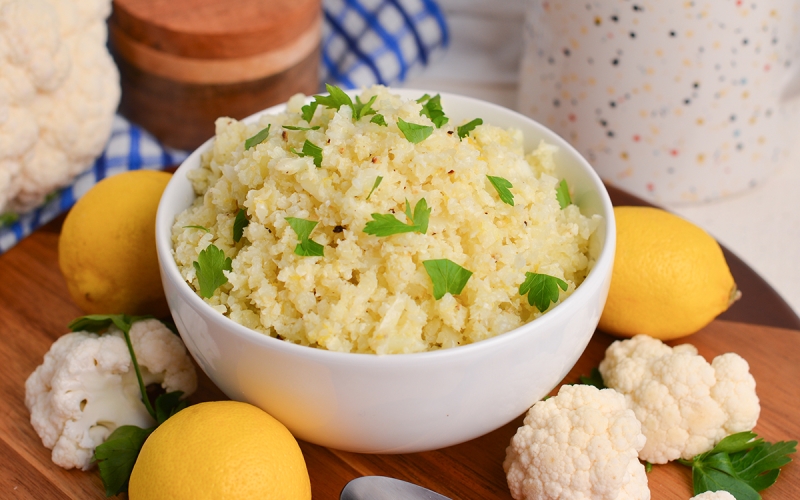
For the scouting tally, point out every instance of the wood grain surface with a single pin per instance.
(211, 29)
(35, 309)
(184, 63)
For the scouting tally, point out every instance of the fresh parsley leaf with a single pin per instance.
(420, 216)
(116, 456)
(468, 127)
(98, 323)
(258, 138)
(292, 127)
(307, 111)
(387, 224)
(9, 218)
(542, 289)
(239, 223)
(210, 265)
(168, 405)
(447, 276)
(413, 132)
(502, 186)
(336, 98)
(309, 248)
(375, 186)
(197, 227)
(562, 194)
(424, 98)
(312, 150)
(433, 110)
(741, 464)
(361, 109)
(380, 120)
(594, 378)
(301, 227)
(306, 247)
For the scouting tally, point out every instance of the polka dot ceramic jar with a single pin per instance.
(678, 102)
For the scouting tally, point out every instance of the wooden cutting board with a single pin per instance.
(35, 309)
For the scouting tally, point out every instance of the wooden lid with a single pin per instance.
(215, 29)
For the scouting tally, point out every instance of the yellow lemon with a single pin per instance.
(217, 451)
(107, 248)
(670, 277)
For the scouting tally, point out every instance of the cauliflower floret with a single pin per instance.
(714, 495)
(686, 405)
(59, 90)
(86, 387)
(581, 444)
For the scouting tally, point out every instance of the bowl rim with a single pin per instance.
(554, 315)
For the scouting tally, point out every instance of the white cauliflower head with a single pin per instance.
(686, 405)
(59, 90)
(581, 444)
(86, 387)
(714, 495)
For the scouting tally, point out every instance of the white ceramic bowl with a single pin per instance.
(405, 402)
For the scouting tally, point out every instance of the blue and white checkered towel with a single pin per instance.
(364, 42)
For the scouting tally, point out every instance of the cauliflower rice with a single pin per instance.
(371, 294)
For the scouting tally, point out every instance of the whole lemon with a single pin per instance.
(107, 247)
(670, 277)
(220, 450)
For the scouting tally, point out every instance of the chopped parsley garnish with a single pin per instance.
(361, 109)
(198, 227)
(210, 265)
(433, 110)
(502, 186)
(307, 111)
(375, 186)
(258, 138)
(742, 464)
(562, 194)
(379, 119)
(468, 127)
(292, 127)
(413, 132)
(542, 289)
(447, 276)
(424, 98)
(336, 98)
(387, 224)
(239, 223)
(312, 150)
(307, 247)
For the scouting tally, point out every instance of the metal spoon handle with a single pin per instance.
(386, 488)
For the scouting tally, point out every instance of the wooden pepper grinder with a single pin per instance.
(184, 63)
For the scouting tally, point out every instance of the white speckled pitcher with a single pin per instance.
(678, 102)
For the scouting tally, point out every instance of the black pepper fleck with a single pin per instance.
(338, 229)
